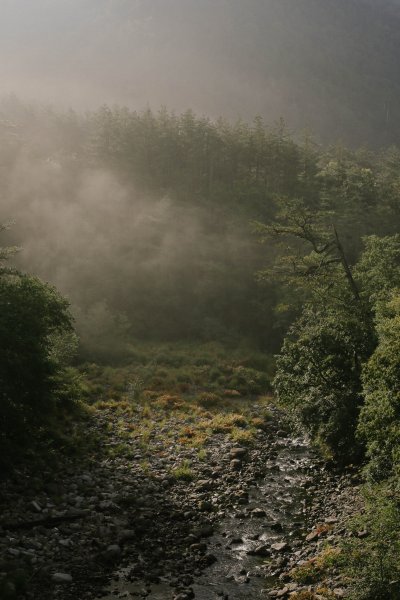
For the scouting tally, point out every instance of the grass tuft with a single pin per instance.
(183, 472)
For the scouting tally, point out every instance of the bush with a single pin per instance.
(208, 400)
(379, 425)
(318, 378)
(33, 316)
(373, 562)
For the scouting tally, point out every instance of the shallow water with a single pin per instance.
(281, 494)
(236, 574)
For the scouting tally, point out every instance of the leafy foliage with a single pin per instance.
(372, 563)
(379, 267)
(379, 424)
(318, 377)
(319, 369)
(31, 312)
(36, 344)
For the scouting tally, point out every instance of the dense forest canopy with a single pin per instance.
(148, 221)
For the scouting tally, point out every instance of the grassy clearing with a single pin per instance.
(207, 372)
(181, 394)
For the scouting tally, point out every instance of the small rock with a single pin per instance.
(202, 548)
(331, 520)
(62, 578)
(238, 452)
(236, 464)
(113, 551)
(362, 534)
(280, 547)
(261, 550)
(87, 479)
(126, 535)
(258, 513)
(36, 506)
(203, 485)
(206, 530)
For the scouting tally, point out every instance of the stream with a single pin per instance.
(273, 514)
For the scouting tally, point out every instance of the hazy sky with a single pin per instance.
(308, 60)
(85, 52)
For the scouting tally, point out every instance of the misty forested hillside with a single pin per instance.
(327, 65)
(147, 221)
(200, 299)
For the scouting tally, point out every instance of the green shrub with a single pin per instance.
(318, 377)
(373, 562)
(32, 382)
(379, 425)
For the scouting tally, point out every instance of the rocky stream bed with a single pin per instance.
(122, 528)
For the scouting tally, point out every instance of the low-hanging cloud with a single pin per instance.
(331, 65)
(116, 251)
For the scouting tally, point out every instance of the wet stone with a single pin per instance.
(36, 506)
(280, 547)
(261, 550)
(62, 578)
